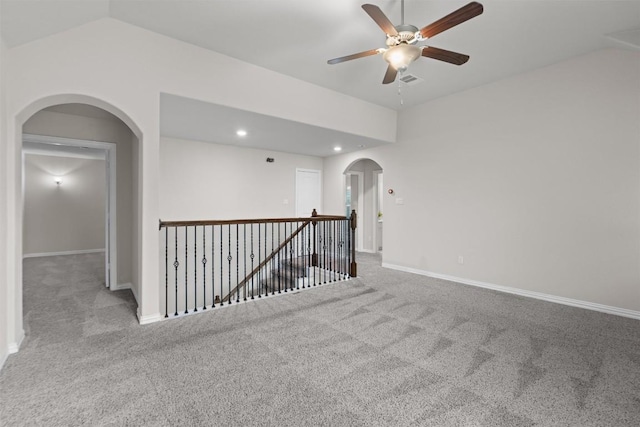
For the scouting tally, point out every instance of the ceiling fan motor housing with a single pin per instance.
(406, 34)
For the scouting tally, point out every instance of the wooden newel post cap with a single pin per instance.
(314, 213)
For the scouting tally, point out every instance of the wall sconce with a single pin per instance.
(57, 180)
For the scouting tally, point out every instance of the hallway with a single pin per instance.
(65, 300)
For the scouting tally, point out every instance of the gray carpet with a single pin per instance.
(388, 348)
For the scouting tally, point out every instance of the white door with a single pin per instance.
(308, 192)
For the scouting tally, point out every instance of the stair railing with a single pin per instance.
(213, 263)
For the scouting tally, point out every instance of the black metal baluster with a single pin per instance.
(221, 268)
(244, 237)
(334, 236)
(229, 258)
(252, 256)
(272, 265)
(266, 277)
(213, 264)
(329, 250)
(260, 279)
(303, 255)
(166, 272)
(204, 267)
(186, 269)
(195, 268)
(343, 267)
(332, 252)
(298, 237)
(237, 262)
(176, 264)
(349, 247)
(326, 253)
(292, 245)
(282, 266)
(290, 268)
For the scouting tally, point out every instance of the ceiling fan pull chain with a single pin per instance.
(400, 87)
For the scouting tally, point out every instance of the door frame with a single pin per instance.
(359, 209)
(111, 235)
(377, 196)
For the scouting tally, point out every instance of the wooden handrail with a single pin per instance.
(266, 260)
(248, 221)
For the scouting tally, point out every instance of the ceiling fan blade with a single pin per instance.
(381, 19)
(444, 55)
(461, 15)
(390, 75)
(354, 56)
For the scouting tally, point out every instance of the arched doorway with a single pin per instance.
(363, 192)
(14, 274)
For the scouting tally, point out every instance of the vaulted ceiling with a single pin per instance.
(296, 37)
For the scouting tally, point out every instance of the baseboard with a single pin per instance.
(43, 254)
(521, 292)
(120, 286)
(367, 251)
(145, 320)
(15, 346)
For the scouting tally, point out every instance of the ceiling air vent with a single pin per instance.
(410, 79)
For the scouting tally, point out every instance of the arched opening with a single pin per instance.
(73, 118)
(363, 192)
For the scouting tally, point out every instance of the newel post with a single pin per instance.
(353, 268)
(314, 256)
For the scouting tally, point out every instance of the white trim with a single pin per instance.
(522, 292)
(15, 346)
(120, 286)
(368, 251)
(111, 261)
(374, 210)
(145, 320)
(62, 253)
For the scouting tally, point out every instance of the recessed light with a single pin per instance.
(337, 148)
(361, 146)
(241, 132)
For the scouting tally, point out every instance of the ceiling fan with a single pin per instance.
(401, 42)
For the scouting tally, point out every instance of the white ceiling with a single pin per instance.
(297, 37)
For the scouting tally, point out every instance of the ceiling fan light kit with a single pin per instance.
(401, 56)
(401, 41)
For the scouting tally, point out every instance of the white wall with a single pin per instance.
(68, 217)
(535, 180)
(52, 123)
(6, 317)
(201, 180)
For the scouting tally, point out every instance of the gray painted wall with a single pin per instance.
(67, 217)
(201, 180)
